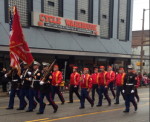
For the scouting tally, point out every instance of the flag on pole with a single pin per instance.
(18, 46)
(14, 59)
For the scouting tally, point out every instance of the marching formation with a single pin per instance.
(34, 85)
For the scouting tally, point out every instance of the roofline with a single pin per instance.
(76, 53)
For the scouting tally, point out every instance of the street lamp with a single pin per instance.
(142, 42)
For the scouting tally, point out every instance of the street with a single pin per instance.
(72, 113)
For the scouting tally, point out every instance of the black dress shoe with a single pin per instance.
(9, 108)
(135, 108)
(116, 103)
(29, 111)
(70, 102)
(92, 105)
(109, 104)
(20, 108)
(125, 111)
(35, 105)
(98, 105)
(62, 103)
(81, 107)
(55, 110)
(39, 113)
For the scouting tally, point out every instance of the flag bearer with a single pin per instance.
(15, 86)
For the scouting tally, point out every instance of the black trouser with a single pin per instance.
(94, 88)
(42, 104)
(130, 98)
(118, 91)
(136, 95)
(56, 89)
(72, 90)
(111, 86)
(104, 91)
(85, 95)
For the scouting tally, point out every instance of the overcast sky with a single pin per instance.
(138, 14)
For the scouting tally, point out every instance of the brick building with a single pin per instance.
(136, 49)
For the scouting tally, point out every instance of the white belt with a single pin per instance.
(36, 80)
(15, 80)
(129, 84)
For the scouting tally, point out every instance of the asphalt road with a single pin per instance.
(72, 113)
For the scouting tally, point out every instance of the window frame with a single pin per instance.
(29, 10)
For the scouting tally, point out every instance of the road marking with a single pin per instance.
(81, 115)
(39, 120)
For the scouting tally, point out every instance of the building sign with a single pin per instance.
(59, 23)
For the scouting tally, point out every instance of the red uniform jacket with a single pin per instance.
(138, 81)
(74, 78)
(86, 82)
(102, 78)
(56, 78)
(120, 79)
(110, 77)
(95, 78)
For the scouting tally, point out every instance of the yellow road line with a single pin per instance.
(40, 119)
(69, 117)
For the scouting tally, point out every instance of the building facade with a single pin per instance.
(136, 50)
(100, 33)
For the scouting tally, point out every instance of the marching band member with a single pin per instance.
(110, 76)
(119, 83)
(86, 85)
(103, 87)
(74, 84)
(95, 82)
(56, 80)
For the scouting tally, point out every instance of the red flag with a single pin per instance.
(14, 59)
(18, 46)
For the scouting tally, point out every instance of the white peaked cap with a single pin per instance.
(36, 63)
(45, 64)
(130, 67)
(24, 63)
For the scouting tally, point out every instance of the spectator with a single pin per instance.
(3, 80)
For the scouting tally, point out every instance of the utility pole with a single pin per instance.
(142, 42)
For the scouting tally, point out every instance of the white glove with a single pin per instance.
(5, 75)
(123, 91)
(132, 91)
(29, 73)
(30, 79)
(41, 82)
(21, 77)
